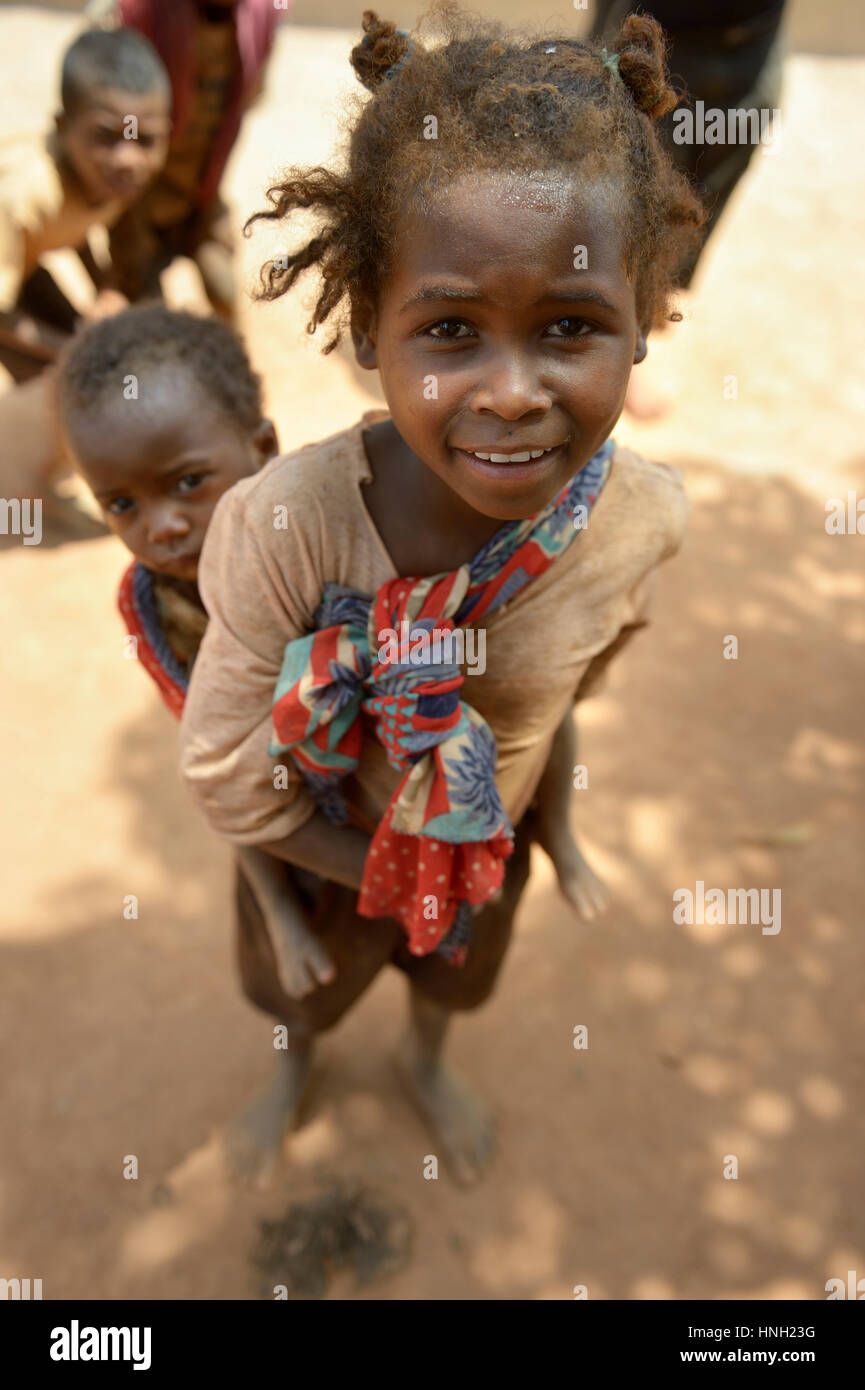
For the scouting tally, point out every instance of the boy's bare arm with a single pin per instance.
(27, 337)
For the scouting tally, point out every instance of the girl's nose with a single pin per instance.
(166, 524)
(511, 389)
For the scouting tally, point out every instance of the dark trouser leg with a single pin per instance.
(732, 65)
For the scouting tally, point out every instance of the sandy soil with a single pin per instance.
(130, 1037)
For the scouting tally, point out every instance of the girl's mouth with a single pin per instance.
(521, 464)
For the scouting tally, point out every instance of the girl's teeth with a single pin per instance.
(511, 458)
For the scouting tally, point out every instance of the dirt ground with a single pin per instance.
(131, 1037)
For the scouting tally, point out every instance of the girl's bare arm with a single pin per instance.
(334, 852)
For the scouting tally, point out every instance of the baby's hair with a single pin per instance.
(501, 102)
(118, 58)
(152, 338)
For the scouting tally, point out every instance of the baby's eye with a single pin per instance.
(119, 505)
(448, 329)
(569, 328)
(190, 481)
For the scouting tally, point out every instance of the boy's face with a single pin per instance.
(490, 341)
(159, 465)
(116, 142)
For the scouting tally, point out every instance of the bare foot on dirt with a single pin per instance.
(458, 1120)
(253, 1142)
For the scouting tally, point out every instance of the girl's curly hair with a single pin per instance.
(500, 101)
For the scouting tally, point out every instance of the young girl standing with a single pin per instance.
(502, 236)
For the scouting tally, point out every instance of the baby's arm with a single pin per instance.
(334, 853)
(258, 586)
(302, 963)
(581, 886)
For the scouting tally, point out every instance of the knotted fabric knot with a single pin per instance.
(441, 845)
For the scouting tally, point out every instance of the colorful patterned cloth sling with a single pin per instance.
(440, 848)
(137, 603)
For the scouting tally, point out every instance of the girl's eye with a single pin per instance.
(191, 481)
(569, 328)
(448, 329)
(119, 505)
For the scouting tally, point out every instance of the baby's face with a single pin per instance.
(490, 342)
(117, 142)
(159, 465)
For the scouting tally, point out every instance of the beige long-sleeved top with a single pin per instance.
(276, 538)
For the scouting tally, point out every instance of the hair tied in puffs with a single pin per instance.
(611, 61)
(367, 41)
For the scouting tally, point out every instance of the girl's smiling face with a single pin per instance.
(490, 343)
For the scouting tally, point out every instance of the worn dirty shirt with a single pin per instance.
(278, 537)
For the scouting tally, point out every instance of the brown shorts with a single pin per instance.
(360, 946)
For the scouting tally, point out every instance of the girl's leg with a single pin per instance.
(462, 1126)
(460, 1122)
(356, 949)
(253, 1143)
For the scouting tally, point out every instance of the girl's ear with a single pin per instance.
(640, 347)
(363, 337)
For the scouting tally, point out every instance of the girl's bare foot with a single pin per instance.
(459, 1121)
(253, 1142)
